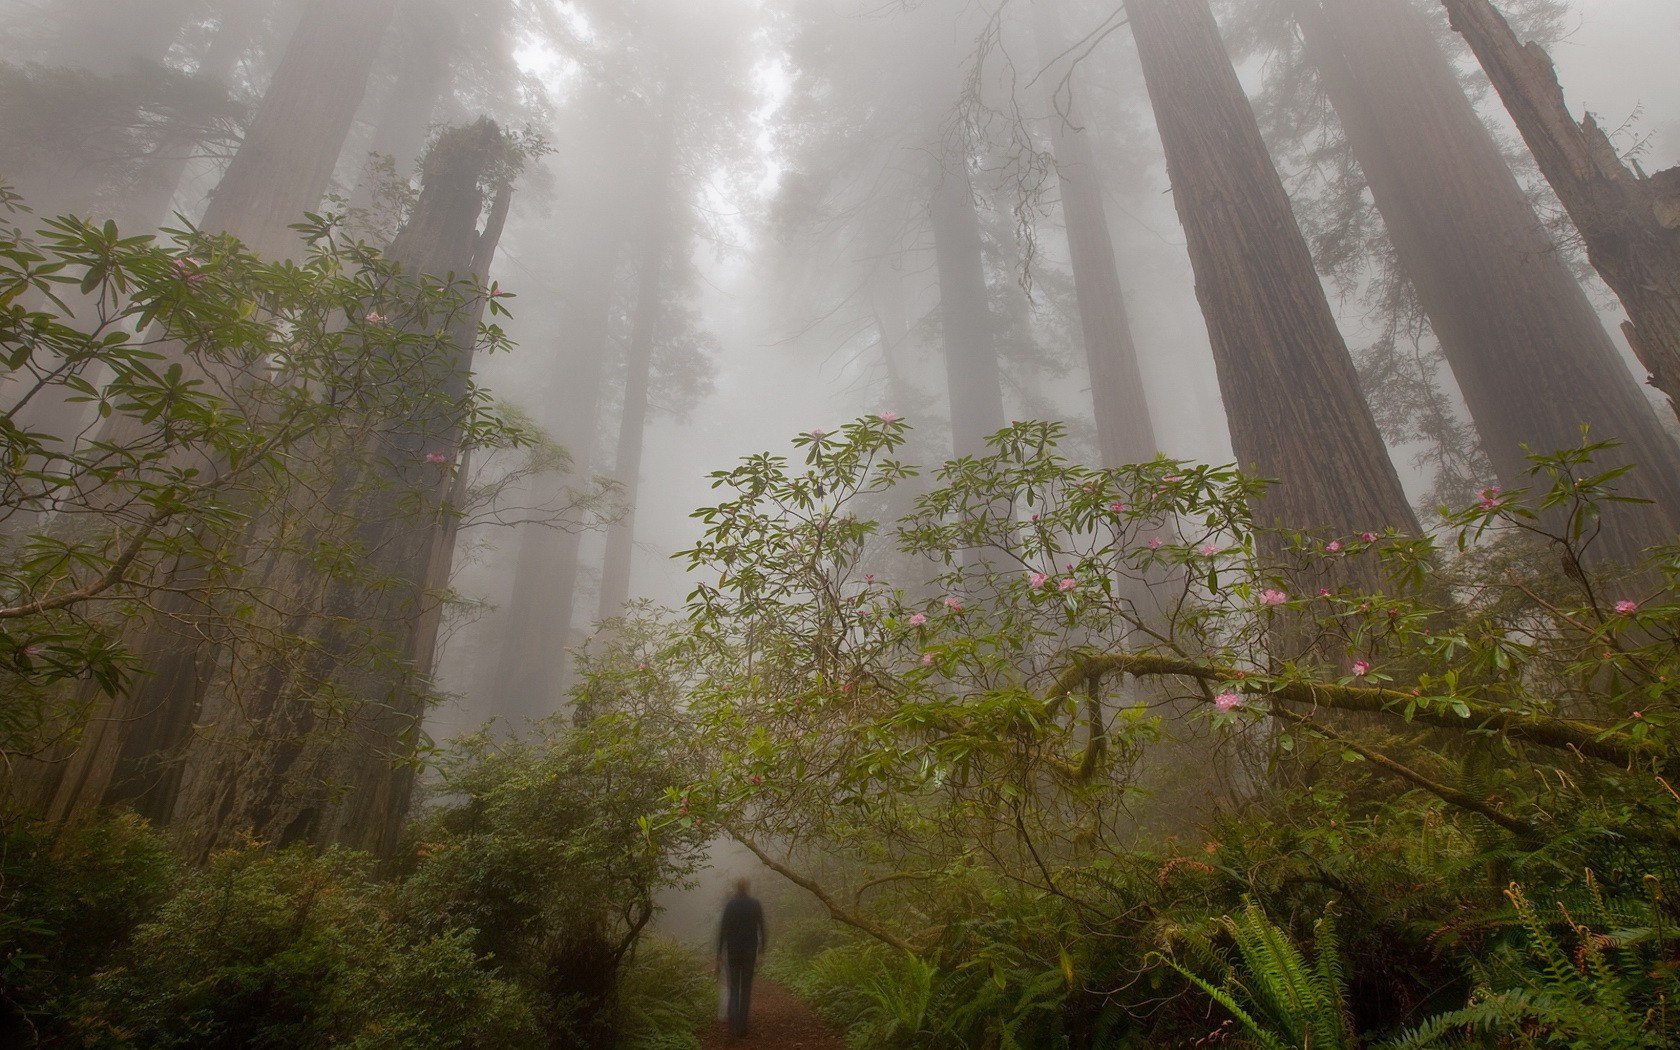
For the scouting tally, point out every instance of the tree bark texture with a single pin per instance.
(317, 743)
(1524, 342)
(1291, 395)
(132, 744)
(1629, 221)
(285, 165)
(1125, 433)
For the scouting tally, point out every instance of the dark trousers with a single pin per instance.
(740, 991)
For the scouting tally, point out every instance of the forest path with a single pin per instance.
(780, 1021)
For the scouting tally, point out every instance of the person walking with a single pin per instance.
(741, 936)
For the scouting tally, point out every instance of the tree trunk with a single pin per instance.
(651, 264)
(1125, 433)
(971, 366)
(408, 108)
(531, 676)
(1629, 221)
(285, 165)
(130, 750)
(1291, 395)
(320, 747)
(1524, 342)
(148, 200)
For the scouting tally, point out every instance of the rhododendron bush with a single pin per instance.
(1051, 682)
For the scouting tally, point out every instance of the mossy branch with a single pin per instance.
(1594, 741)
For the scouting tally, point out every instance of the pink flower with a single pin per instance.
(1626, 608)
(1209, 549)
(1033, 518)
(927, 659)
(1227, 701)
(1489, 498)
(953, 604)
(818, 435)
(1324, 592)
(1368, 537)
(1333, 546)
(374, 317)
(436, 458)
(189, 270)
(1037, 580)
(1154, 543)
(1173, 479)
(917, 620)
(755, 779)
(1117, 507)
(1067, 585)
(1273, 597)
(1361, 668)
(864, 614)
(888, 417)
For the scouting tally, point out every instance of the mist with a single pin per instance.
(972, 466)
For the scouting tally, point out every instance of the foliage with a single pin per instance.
(1278, 997)
(958, 763)
(168, 400)
(1608, 986)
(295, 948)
(544, 852)
(68, 903)
(665, 1000)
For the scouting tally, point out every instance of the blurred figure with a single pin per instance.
(741, 936)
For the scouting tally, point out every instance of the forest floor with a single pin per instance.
(780, 1020)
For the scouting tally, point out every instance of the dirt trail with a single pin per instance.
(780, 1020)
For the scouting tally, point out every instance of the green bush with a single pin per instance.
(68, 903)
(295, 949)
(666, 999)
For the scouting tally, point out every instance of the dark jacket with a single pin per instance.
(742, 933)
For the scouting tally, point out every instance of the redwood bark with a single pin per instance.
(155, 185)
(1524, 342)
(406, 112)
(132, 746)
(971, 365)
(1630, 222)
(271, 759)
(1125, 433)
(1291, 395)
(285, 165)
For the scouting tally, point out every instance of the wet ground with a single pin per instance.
(780, 1020)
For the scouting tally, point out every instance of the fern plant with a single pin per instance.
(1281, 1000)
(1612, 992)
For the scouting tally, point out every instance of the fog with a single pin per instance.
(738, 221)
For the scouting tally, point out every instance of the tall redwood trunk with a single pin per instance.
(1629, 221)
(1525, 344)
(406, 112)
(285, 165)
(148, 201)
(531, 675)
(652, 261)
(320, 747)
(1125, 433)
(1291, 395)
(971, 365)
